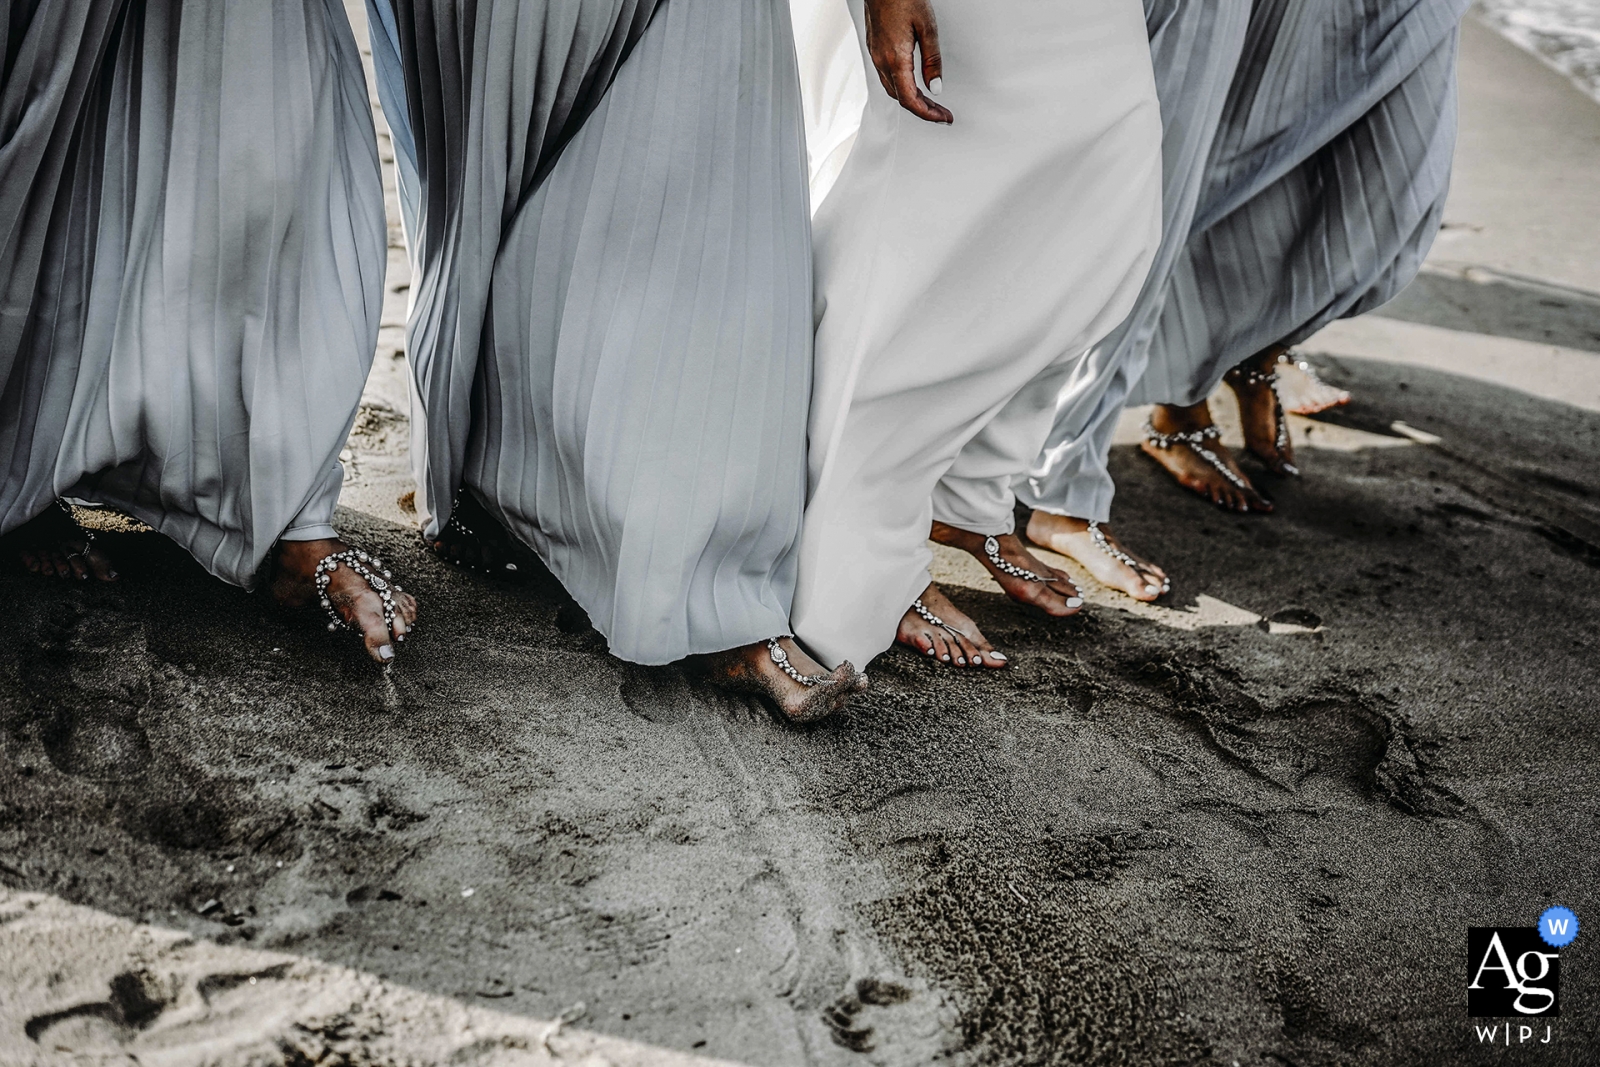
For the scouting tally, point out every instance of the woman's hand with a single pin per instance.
(895, 28)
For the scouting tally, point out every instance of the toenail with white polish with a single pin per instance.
(1074, 601)
(386, 653)
(978, 658)
(1001, 656)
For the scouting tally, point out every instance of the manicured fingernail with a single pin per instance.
(1074, 601)
(386, 653)
(936, 86)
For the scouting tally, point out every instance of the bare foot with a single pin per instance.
(474, 539)
(1042, 586)
(53, 545)
(1111, 564)
(1266, 430)
(294, 585)
(1303, 393)
(1180, 439)
(943, 632)
(758, 669)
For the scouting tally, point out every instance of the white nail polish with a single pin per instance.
(978, 658)
(945, 658)
(386, 653)
(1074, 601)
(960, 662)
(936, 86)
(1001, 656)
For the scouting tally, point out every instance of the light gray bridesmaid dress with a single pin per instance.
(1321, 191)
(192, 248)
(611, 330)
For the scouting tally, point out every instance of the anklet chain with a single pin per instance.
(781, 658)
(369, 569)
(991, 548)
(1195, 440)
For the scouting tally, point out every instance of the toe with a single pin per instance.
(368, 618)
(100, 565)
(30, 561)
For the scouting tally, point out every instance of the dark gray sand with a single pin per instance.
(1251, 827)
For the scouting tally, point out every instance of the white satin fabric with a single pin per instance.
(963, 275)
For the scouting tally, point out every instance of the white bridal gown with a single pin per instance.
(611, 330)
(192, 249)
(1309, 147)
(963, 275)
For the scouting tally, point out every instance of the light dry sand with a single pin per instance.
(1249, 826)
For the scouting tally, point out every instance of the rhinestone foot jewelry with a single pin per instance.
(1253, 378)
(369, 569)
(1103, 543)
(991, 548)
(84, 532)
(781, 658)
(1195, 441)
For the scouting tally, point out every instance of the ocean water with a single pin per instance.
(1565, 33)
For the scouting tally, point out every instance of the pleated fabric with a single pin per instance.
(1307, 161)
(1325, 185)
(1195, 49)
(481, 95)
(963, 274)
(192, 214)
(629, 396)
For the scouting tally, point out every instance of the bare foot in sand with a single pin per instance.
(474, 539)
(942, 631)
(1188, 444)
(758, 669)
(53, 545)
(358, 603)
(1097, 548)
(1024, 578)
(1266, 430)
(1303, 393)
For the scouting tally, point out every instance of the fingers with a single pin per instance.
(932, 64)
(894, 31)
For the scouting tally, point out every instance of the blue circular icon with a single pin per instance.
(1558, 926)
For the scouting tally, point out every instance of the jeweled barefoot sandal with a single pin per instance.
(1195, 441)
(1103, 543)
(933, 620)
(781, 658)
(1333, 396)
(85, 534)
(991, 548)
(368, 568)
(1254, 378)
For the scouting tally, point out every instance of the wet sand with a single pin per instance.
(1250, 826)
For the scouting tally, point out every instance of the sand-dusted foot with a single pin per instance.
(1025, 578)
(53, 545)
(784, 677)
(1188, 444)
(474, 539)
(1302, 392)
(351, 585)
(1093, 545)
(1266, 430)
(939, 630)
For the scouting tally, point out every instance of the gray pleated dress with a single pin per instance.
(611, 323)
(192, 247)
(1326, 130)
